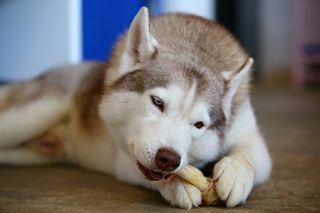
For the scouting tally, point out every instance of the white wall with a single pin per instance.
(204, 8)
(36, 35)
(275, 35)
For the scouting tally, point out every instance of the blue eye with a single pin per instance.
(157, 102)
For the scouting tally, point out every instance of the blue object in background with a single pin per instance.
(103, 23)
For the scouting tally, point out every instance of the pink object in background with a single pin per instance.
(306, 42)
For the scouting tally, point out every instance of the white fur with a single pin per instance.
(140, 129)
(206, 148)
(136, 124)
(235, 180)
(180, 193)
(247, 139)
(98, 154)
(126, 170)
(146, 129)
(248, 162)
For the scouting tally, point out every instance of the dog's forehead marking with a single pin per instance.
(184, 102)
(187, 100)
(140, 80)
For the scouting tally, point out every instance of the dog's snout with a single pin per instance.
(167, 160)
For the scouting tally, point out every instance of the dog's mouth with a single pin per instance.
(153, 175)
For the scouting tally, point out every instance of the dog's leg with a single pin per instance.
(21, 156)
(4, 92)
(27, 110)
(247, 163)
(46, 148)
(21, 123)
(96, 154)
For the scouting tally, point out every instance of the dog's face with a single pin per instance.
(163, 113)
(165, 122)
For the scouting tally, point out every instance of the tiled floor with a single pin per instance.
(290, 122)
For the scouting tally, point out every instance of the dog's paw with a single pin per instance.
(180, 193)
(234, 180)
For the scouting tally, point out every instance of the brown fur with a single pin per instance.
(58, 82)
(190, 38)
(88, 96)
(141, 80)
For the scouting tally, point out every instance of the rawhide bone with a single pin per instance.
(206, 185)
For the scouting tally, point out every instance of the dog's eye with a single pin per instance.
(198, 124)
(157, 102)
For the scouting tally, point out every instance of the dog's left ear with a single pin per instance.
(233, 85)
(140, 45)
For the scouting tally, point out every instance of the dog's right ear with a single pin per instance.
(140, 45)
(233, 85)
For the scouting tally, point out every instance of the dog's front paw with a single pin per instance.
(234, 180)
(180, 193)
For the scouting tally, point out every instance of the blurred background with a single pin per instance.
(283, 36)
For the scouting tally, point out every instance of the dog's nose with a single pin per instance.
(167, 159)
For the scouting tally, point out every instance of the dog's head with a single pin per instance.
(162, 109)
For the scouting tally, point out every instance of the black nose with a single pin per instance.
(167, 160)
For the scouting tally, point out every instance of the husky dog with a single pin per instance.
(175, 92)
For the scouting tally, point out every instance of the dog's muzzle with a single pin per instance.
(152, 175)
(166, 160)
